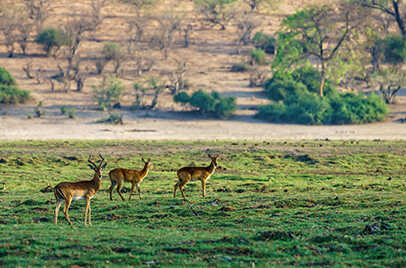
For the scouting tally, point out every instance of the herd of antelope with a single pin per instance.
(70, 191)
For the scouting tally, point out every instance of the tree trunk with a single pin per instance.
(322, 79)
(398, 17)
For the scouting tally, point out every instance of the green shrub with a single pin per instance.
(264, 42)
(112, 51)
(213, 103)
(239, 67)
(6, 78)
(51, 39)
(12, 94)
(258, 56)
(298, 101)
(303, 79)
(108, 93)
(393, 49)
(182, 97)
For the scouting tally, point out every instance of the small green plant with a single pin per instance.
(38, 111)
(258, 57)
(108, 93)
(71, 113)
(264, 42)
(28, 115)
(52, 40)
(220, 107)
(114, 118)
(63, 110)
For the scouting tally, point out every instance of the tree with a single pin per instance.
(389, 82)
(318, 32)
(38, 12)
(169, 24)
(395, 9)
(217, 12)
(255, 4)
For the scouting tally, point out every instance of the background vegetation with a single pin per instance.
(355, 45)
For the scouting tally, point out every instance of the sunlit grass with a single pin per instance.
(321, 203)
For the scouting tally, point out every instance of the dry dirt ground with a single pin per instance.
(209, 58)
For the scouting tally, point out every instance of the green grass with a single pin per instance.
(285, 203)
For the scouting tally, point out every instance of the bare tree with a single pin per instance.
(392, 8)
(255, 4)
(177, 77)
(246, 24)
(24, 29)
(9, 22)
(38, 12)
(217, 12)
(27, 68)
(164, 37)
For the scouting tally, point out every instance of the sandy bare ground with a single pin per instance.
(174, 126)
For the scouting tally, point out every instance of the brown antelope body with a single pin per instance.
(68, 191)
(186, 174)
(120, 175)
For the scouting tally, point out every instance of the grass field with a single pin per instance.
(307, 203)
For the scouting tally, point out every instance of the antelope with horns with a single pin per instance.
(120, 175)
(186, 174)
(68, 191)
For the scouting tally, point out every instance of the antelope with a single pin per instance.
(120, 175)
(68, 191)
(186, 174)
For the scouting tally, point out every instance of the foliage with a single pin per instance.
(298, 102)
(393, 49)
(389, 81)
(239, 67)
(52, 40)
(272, 203)
(213, 103)
(258, 56)
(264, 42)
(305, 78)
(320, 32)
(217, 12)
(10, 93)
(108, 93)
(6, 78)
(13, 95)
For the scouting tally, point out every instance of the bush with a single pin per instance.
(6, 78)
(108, 93)
(10, 93)
(299, 102)
(13, 94)
(393, 49)
(258, 56)
(220, 107)
(239, 67)
(51, 39)
(264, 42)
(300, 80)
(112, 51)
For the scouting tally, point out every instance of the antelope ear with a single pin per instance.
(143, 160)
(149, 160)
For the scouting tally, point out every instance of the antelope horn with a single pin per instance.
(90, 161)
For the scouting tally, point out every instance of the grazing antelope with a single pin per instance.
(120, 175)
(186, 174)
(68, 191)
